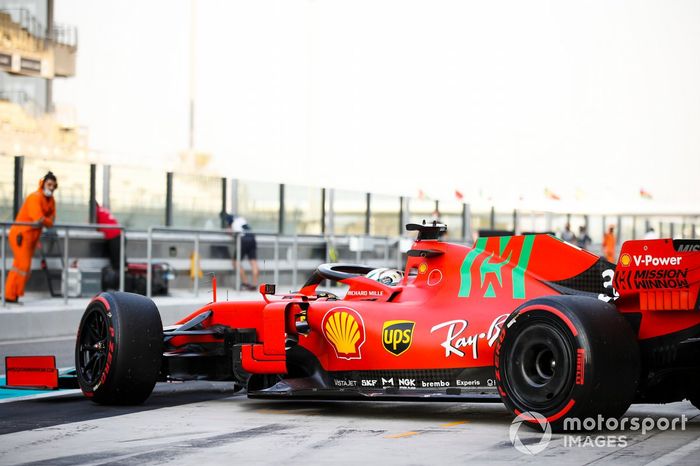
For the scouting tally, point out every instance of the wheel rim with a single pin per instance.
(93, 347)
(539, 366)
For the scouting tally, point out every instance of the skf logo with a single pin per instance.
(625, 260)
(345, 331)
(397, 336)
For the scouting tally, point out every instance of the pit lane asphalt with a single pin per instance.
(207, 423)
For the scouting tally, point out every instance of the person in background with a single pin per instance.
(40, 209)
(112, 235)
(651, 234)
(609, 244)
(568, 235)
(249, 249)
(583, 240)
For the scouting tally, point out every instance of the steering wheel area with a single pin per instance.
(338, 272)
(335, 273)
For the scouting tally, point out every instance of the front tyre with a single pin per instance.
(119, 349)
(567, 357)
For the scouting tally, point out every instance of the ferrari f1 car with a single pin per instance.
(531, 321)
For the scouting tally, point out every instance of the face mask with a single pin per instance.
(48, 192)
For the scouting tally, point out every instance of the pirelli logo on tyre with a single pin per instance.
(397, 336)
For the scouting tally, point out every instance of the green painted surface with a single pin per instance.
(491, 266)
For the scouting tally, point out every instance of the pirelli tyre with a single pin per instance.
(566, 357)
(119, 349)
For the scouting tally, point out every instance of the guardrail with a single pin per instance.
(66, 227)
(329, 242)
(278, 240)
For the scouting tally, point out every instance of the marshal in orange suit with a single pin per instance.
(39, 208)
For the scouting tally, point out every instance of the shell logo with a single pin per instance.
(625, 260)
(422, 268)
(345, 331)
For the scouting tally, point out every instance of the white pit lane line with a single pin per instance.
(674, 456)
(57, 394)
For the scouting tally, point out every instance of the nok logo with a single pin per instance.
(397, 336)
(483, 268)
(345, 331)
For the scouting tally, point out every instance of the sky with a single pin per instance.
(499, 100)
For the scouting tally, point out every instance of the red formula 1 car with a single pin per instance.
(531, 321)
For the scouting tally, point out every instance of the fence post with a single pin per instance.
(92, 213)
(106, 171)
(368, 212)
(65, 267)
(238, 262)
(399, 256)
(223, 204)
(277, 260)
(122, 258)
(296, 261)
(2, 280)
(280, 216)
(149, 259)
(323, 211)
(19, 175)
(169, 199)
(196, 265)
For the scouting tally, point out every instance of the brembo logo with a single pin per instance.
(345, 331)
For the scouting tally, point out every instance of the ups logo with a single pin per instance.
(397, 336)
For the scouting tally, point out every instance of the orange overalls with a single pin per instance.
(609, 247)
(23, 239)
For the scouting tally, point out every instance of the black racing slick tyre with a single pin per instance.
(566, 357)
(119, 349)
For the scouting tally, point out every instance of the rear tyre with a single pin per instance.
(567, 357)
(119, 349)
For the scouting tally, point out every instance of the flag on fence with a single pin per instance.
(551, 195)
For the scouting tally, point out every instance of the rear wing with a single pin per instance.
(664, 273)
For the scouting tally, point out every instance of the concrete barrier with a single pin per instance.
(50, 318)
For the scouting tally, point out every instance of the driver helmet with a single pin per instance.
(386, 276)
